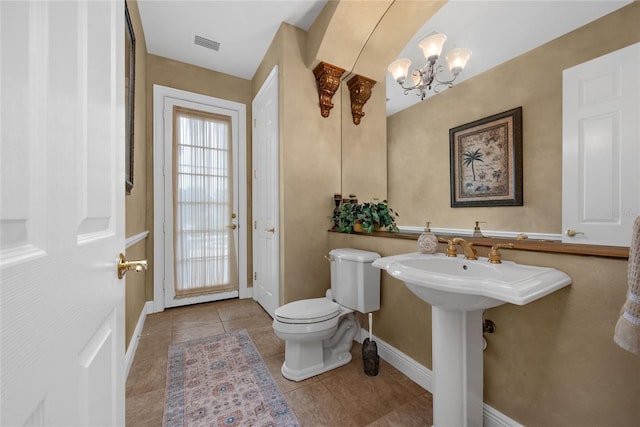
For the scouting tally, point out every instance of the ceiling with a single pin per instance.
(495, 31)
(244, 29)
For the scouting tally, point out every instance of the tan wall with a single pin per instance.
(364, 153)
(178, 75)
(136, 202)
(552, 362)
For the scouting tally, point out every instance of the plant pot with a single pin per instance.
(357, 227)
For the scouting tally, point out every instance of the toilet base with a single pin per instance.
(305, 359)
(330, 362)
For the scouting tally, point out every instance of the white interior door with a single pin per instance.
(228, 236)
(601, 149)
(266, 278)
(62, 214)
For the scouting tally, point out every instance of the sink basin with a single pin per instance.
(455, 283)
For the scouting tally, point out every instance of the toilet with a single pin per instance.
(319, 332)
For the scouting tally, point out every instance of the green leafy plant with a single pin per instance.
(370, 215)
(377, 214)
(344, 217)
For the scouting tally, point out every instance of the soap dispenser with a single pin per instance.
(427, 242)
(476, 231)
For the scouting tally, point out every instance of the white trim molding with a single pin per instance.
(423, 376)
(468, 232)
(136, 238)
(147, 308)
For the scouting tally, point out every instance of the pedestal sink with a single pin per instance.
(458, 291)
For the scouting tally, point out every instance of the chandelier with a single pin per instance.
(427, 77)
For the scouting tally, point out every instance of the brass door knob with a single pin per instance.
(573, 233)
(270, 230)
(124, 265)
(232, 226)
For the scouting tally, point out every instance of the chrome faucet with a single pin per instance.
(467, 248)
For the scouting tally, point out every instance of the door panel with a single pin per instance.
(62, 214)
(601, 129)
(266, 282)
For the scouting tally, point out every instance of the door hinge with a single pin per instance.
(255, 123)
(255, 173)
(255, 275)
(255, 225)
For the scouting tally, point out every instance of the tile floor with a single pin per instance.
(342, 397)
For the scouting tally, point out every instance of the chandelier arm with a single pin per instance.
(439, 85)
(448, 83)
(418, 85)
(407, 89)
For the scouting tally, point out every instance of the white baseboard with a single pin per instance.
(418, 373)
(246, 293)
(494, 418)
(133, 345)
(423, 376)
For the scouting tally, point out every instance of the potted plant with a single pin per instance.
(377, 215)
(349, 216)
(345, 216)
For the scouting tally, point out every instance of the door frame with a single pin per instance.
(160, 93)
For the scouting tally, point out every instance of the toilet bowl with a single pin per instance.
(319, 332)
(318, 335)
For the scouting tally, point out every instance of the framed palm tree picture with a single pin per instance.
(486, 161)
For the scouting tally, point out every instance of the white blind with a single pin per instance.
(204, 247)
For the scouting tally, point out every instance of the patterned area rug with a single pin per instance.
(222, 381)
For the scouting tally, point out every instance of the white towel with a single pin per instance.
(627, 334)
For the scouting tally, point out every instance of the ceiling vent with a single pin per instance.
(209, 44)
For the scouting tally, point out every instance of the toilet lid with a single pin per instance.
(308, 311)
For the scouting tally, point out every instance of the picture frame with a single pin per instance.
(486, 161)
(130, 80)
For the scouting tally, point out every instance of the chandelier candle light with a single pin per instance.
(426, 78)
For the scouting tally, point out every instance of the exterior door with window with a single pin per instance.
(201, 199)
(62, 213)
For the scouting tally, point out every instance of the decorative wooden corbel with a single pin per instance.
(328, 79)
(360, 89)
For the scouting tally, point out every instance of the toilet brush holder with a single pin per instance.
(370, 358)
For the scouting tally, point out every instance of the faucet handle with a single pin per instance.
(494, 255)
(451, 247)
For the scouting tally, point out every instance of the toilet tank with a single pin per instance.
(355, 283)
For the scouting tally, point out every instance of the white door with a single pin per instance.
(601, 149)
(266, 276)
(199, 197)
(62, 214)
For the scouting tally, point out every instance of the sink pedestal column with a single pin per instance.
(457, 368)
